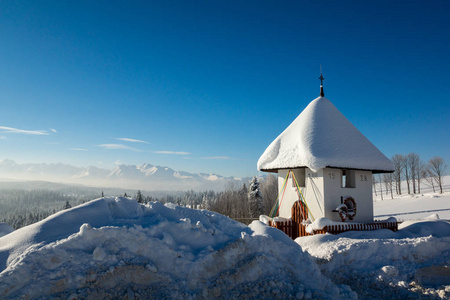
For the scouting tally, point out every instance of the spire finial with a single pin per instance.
(321, 83)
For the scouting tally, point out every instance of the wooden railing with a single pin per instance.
(334, 229)
(287, 227)
(294, 229)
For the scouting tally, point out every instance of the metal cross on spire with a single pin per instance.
(321, 83)
(321, 79)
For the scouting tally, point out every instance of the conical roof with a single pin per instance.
(321, 136)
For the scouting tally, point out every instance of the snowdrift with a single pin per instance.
(117, 248)
(413, 262)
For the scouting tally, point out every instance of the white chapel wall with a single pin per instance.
(289, 197)
(323, 190)
(314, 192)
(311, 185)
(361, 192)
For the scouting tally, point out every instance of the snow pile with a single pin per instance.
(117, 248)
(321, 136)
(413, 262)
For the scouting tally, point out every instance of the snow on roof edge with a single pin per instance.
(374, 171)
(305, 143)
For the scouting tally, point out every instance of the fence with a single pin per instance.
(294, 229)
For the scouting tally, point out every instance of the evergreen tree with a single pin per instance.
(205, 202)
(255, 198)
(139, 197)
(67, 205)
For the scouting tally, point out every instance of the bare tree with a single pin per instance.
(407, 172)
(269, 190)
(388, 179)
(397, 161)
(413, 161)
(419, 173)
(437, 169)
(428, 176)
(380, 181)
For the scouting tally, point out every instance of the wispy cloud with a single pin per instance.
(216, 157)
(2, 137)
(53, 130)
(117, 147)
(22, 131)
(172, 152)
(132, 140)
(77, 149)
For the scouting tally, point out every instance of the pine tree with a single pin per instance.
(255, 198)
(139, 197)
(67, 205)
(205, 202)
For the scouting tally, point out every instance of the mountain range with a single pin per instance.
(144, 176)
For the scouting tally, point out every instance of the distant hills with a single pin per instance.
(144, 176)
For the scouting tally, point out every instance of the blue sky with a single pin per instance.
(206, 86)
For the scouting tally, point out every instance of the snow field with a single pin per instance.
(156, 251)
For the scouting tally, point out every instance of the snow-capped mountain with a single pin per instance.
(143, 176)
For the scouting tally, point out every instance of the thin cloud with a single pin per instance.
(22, 131)
(2, 137)
(117, 147)
(77, 149)
(132, 140)
(53, 130)
(172, 152)
(216, 157)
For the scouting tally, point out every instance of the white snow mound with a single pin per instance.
(321, 136)
(117, 248)
(383, 264)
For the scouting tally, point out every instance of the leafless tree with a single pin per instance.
(419, 173)
(413, 160)
(437, 168)
(269, 190)
(380, 181)
(407, 172)
(428, 176)
(388, 179)
(412, 172)
(397, 161)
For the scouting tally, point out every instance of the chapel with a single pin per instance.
(325, 165)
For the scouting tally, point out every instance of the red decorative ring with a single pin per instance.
(351, 207)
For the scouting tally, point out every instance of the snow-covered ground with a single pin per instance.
(413, 207)
(117, 248)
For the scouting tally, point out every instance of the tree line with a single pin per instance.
(240, 202)
(412, 170)
(20, 207)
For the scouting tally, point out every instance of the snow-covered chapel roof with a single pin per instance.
(321, 136)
